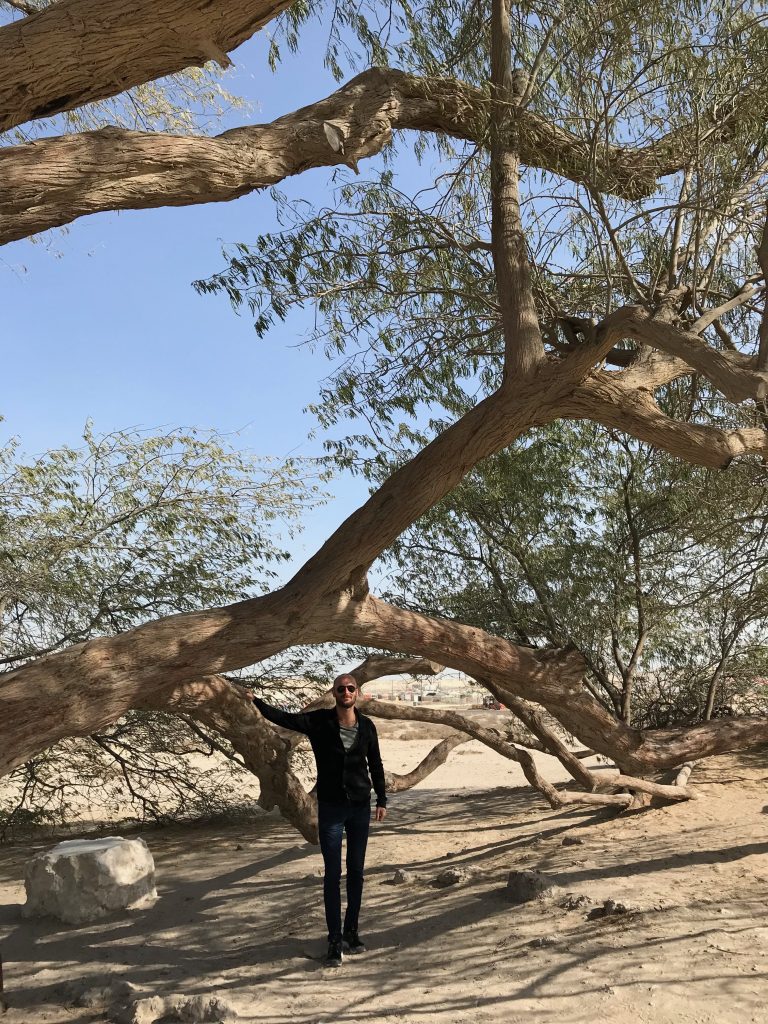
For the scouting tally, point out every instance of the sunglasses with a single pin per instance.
(345, 689)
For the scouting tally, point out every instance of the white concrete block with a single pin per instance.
(85, 879)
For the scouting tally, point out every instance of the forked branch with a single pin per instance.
(604, 398)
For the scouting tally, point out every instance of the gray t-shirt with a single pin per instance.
(348, 735)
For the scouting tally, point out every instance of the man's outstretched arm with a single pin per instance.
(297, 721)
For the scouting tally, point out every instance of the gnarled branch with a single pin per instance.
(51, 182)
(378, 665)
(436, 757)
(737, 376)
(604, 398)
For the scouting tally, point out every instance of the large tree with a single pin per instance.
(595, 242)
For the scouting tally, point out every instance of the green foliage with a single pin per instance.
(400, 278)
(403, 295)
(570, 537)
(98, 539)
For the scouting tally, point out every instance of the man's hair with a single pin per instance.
(345, 677)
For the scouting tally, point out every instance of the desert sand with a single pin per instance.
(240, 910)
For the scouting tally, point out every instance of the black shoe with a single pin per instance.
(352, 943)
(335, 956)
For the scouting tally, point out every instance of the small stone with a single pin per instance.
(451, 876)
(526, 885)
(610, 908)
(206, 1008)
(142, 1011)
(572, 841)
(575, 901)
(403, 877)
(543, 942)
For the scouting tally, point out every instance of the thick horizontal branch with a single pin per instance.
(78, 51)
(552, 678)
(604, 398)
(106, 677)
(735, 375)
(378, 665)
(52, 182)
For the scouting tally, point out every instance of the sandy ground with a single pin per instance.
(240, 912)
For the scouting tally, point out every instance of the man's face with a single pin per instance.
(345, 691)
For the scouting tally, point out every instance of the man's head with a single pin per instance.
(345, 690)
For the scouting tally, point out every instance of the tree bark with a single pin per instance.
(228, 709)
(78, 51)
(523, 344)
(52, 182)
(606, 398)
(436, 757)
(554, 680)
(378, 665)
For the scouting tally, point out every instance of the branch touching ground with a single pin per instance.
(550, 741)
(674, 793)
(437, 756)
(228, 709)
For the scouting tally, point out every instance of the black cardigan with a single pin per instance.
(342, 775)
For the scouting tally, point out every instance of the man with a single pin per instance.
(346, 748)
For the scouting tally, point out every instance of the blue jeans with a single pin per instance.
(333, 820)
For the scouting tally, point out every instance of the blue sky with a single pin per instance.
(102, 322)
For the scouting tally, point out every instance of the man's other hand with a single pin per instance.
(381, 813)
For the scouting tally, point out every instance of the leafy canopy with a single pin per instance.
(396, 270)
